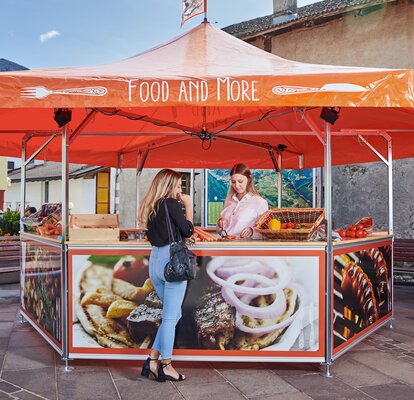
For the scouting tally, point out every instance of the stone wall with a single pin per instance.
(383, 38)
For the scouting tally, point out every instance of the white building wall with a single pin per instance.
(34, 195)
(82, 194)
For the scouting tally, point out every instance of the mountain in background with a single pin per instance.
(6, 65)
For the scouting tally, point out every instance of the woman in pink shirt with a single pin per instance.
(243, 206)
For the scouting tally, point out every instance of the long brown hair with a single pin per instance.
(160, 188)
(244, 170)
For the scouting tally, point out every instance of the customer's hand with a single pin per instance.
(185, 199)
(191, 240)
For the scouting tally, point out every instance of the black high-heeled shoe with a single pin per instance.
(146, 370)
(162, 376)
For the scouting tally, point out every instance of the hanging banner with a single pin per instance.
(191, 8)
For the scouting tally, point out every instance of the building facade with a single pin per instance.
(372, 33)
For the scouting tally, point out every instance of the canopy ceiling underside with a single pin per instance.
(193, 100)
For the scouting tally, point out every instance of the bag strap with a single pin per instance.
(169, 227)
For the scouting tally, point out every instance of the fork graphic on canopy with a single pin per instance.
(40, 92)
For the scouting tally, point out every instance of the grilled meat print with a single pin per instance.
(214, 320)
(358, 293)
(144, 321)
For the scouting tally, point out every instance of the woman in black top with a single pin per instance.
(165, 188)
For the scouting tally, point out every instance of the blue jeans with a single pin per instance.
(171, 295)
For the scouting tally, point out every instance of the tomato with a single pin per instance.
(360, 227)
(352, 228)
(359, 233)
(283, 225)
(290, 225)
(350, 234)
(365, 232)
(132, 271)
(342, 233)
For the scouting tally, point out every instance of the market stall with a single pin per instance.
(206, 99)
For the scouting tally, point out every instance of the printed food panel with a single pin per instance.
(362, 291)
(41, 286)
(244, 303)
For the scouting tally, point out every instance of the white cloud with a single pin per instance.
(44, 37)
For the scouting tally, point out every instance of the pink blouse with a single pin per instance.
(244, 213)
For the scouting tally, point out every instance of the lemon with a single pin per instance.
(274, 224)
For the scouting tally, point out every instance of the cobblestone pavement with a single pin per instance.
(381, 367)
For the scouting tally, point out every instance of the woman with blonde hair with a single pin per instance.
(243, 206)
(165, 189)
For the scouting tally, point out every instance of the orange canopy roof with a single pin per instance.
(194, 99)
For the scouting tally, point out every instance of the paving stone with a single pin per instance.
(321, 388)
(255, 383)
(7, 316)
(394, 391)
(208, 392)
(387, 364)
(4, 344)
(5, 329)
(40, 381)
(124, 369)
(289, 369)
(27, 339)
(356, 374)
(5, 396)
(28, 357)
(80, 365)
(8, 387)
(284, 396)
(24, 395)
(197, 373)
(143, 388)
(90, 386)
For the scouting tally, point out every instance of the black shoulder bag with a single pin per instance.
(182, 264)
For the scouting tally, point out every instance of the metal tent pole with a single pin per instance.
(192, 193)
(391, 220)
(279, 181)
(23, 184)
(329, 249)
(65, 220)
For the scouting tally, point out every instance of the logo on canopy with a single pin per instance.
(191, 8)
(329, 87)
(40, 92)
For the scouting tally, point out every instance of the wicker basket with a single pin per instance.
(308, 218)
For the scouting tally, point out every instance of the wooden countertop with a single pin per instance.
(142, 243)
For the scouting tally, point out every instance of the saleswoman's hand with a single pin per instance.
(222, 223)
(246, 233)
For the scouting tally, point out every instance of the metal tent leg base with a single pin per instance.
(391, 325)
(22, 319)
(66, 368)
(327, 373)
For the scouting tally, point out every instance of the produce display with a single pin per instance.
(290, 223)
(47, 220)
(201, 235)
(359, 230)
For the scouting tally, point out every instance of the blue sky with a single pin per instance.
(87, 32)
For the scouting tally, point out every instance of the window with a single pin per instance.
(103, 180)
(10, 165)
(185, 182)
